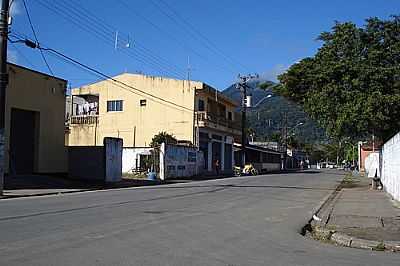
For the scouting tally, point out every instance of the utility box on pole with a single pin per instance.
(3, 85)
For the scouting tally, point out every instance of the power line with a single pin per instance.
(174, 38)
(86, 13)
(205, 38)
(101, 76)
(36, 38)
(98, 73)
(22, 55)
(188, 30)
(105, 36)
(109, 78)
(89, 24)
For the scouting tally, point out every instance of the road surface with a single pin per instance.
(235, 221)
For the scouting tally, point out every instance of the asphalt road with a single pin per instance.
(236, 221)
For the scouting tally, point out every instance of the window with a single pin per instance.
(114, 106)
(143, 102)
(230, 116)
(201, 106)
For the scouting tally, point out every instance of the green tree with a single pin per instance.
(276, 137)
(352, 85)
(163, 137)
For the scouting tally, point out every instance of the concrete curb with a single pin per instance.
(5, 197)
(354, 242)
(319, 208)
(98, 188)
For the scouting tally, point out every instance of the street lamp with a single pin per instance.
(261, 101)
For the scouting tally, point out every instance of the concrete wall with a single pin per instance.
(137, 124)
(96, 163)
(179, 161)
(86, 163)
(33, 91)
(113, 159)
(390, 166)
(267, 167)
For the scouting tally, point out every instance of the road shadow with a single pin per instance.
(43, 182)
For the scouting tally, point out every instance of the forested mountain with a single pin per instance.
(267, 117)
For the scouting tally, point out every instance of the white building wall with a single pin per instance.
(130, 156)
(391, 166)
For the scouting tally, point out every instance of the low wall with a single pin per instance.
(180, 161)
(86, 163)
(96, 163)
(390, 166)
(267, 167)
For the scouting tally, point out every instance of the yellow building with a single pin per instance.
(136, 107)
(34, 122)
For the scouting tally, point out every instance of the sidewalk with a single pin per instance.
(357, 216)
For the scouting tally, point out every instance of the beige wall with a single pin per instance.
(33, 91)
(149, 120)
(205, 96)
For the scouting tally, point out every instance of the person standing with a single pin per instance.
(217, 166)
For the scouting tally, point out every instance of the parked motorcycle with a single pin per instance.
(248, 169)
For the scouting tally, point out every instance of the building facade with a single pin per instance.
(34, 136)
(137, 107)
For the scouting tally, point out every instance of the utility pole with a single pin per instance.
(3, 85)
(285, 139)
(242, 86)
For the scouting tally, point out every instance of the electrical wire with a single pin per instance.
(105, 37)
(36, 38)
(22, 55)
(98, 73)
(97, 20)
(188, 28)
(90, 24)
(205, 38)
(116, 82)
(181, 43)
(102, 76)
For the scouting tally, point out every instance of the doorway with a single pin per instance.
(24, 140)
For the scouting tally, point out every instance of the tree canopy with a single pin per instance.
(163, 137)
(352, 85)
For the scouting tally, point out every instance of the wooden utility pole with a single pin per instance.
(3, 86)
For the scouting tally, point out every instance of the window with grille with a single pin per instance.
(115, 106)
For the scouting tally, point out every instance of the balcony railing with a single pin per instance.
(205, 118)
(84, 119)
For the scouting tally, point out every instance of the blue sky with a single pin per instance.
(221, 38)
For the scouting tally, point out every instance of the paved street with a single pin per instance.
(237, 221)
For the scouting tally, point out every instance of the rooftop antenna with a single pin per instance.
(128, 44)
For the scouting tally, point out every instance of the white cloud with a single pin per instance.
(273, 73)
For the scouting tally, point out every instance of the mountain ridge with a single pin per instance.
(267, 118)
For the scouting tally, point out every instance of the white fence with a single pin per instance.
(391, 166)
